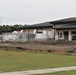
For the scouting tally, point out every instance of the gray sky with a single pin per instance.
(35, 11)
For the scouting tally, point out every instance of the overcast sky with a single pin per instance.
(35, 11)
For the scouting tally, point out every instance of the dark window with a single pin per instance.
(39, 32)
(60, 35)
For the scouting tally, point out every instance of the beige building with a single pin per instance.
(64, 29)
(41, 31)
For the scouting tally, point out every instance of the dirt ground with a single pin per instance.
(59, 47)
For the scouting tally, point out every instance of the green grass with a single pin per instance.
(61, 73)
(18, 61)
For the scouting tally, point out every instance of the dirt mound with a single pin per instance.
(58, 47)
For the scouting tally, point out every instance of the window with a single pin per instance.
(39, 31)
(60, 35)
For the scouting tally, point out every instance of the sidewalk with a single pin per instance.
(41, 71)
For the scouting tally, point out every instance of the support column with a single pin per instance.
(69, 36)
(56, 35)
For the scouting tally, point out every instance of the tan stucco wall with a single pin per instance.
(58, 25)
(47, 29)
(31, 31)
(56, 35)
(70, 36)
(28, 30)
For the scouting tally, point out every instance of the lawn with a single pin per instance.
(20, 61)
(61, 73)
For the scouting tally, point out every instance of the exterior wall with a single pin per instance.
(61, 38)
(57, 32)
(23, 37)
(56, 35)
(58, 25)
(30, 31)
(70, 36)
(10, 37)
(49, 31)
(41, 36)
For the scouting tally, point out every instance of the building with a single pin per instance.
(42, 31)
(65, 29)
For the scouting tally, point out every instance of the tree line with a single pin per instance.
(9, 28)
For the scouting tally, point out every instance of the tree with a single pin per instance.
(10, 28)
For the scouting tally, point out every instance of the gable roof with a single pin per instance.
(40, 25)
(68, 26)
(67, 20)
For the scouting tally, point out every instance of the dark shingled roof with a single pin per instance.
(68, 26)
(67, 20)
(41, 25)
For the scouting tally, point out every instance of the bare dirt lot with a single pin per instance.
(59, 47)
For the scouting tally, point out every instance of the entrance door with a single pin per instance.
(66, 35)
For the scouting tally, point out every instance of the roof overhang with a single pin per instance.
(37, 26)
(64, 21)
(67, 27)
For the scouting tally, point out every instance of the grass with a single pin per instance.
(19, 61)
(61, 73)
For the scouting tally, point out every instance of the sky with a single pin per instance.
(35, 11)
